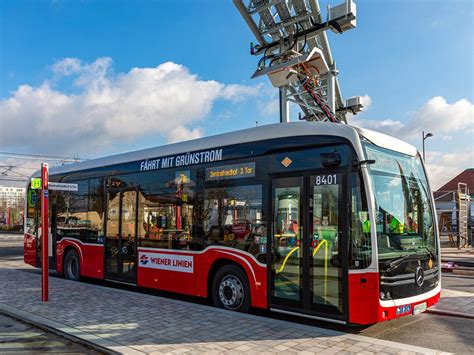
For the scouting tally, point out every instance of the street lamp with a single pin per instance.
(428, 135)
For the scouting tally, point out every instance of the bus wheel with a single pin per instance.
(230, 289)
(72, 268)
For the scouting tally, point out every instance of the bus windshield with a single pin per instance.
(403, 209)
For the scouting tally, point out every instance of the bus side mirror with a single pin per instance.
(330, 159)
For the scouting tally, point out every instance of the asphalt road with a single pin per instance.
(11, 247)
(451, 334)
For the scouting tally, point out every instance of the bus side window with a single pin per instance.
(360, 249)
(165, 212)
(233, 217)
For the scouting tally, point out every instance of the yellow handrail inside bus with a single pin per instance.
(325, 242)
(286, 259)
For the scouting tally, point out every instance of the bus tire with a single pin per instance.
(72, 266)
(230, 289)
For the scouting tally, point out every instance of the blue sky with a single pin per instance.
(402, 55)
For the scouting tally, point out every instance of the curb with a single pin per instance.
(450, 313)
(98, 344)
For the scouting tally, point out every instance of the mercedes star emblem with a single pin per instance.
(419, 277)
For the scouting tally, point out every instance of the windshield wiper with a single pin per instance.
(394, 263)
(433, 256)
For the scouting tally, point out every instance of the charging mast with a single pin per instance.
(44, 233)
(294, 52)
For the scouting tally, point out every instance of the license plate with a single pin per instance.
(419, 308)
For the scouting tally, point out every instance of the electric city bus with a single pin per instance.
(315, 219)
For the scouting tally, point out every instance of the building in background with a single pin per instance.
(455, 210)
(12, 206)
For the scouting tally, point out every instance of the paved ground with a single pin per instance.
(455, 303)
(18, 337)
(173, 325)
(12, 246)
(458, 282)
(449, 333)
(127, 321)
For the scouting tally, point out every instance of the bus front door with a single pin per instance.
(121, 232)
(308, 258)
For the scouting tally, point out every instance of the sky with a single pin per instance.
(93, 78)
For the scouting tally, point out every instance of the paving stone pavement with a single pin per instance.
(455, 303)
(131, 322)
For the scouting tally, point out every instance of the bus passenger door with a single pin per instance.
(120, 235)
(287, 228)
(308, 244)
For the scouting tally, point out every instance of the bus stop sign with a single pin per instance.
(36, 183)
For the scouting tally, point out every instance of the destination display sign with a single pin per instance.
(60, 186)
(205, 156)
(235, 171)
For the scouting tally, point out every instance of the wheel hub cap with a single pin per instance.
(231, 292)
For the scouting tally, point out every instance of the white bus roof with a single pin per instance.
(266, 132)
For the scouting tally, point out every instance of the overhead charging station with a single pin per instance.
(294, 53)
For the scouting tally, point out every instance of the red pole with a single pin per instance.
(178, 217)
(44, 232)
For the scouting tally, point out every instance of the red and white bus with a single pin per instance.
(321, 220)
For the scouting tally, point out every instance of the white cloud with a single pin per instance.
(14, 171)
(167, 101)
(436, 116)
(181, 133)
(366, 101)
(67, 66)
(268, 102)
(237, 93)
(269, 108)
(442, 167)
(388, 126)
